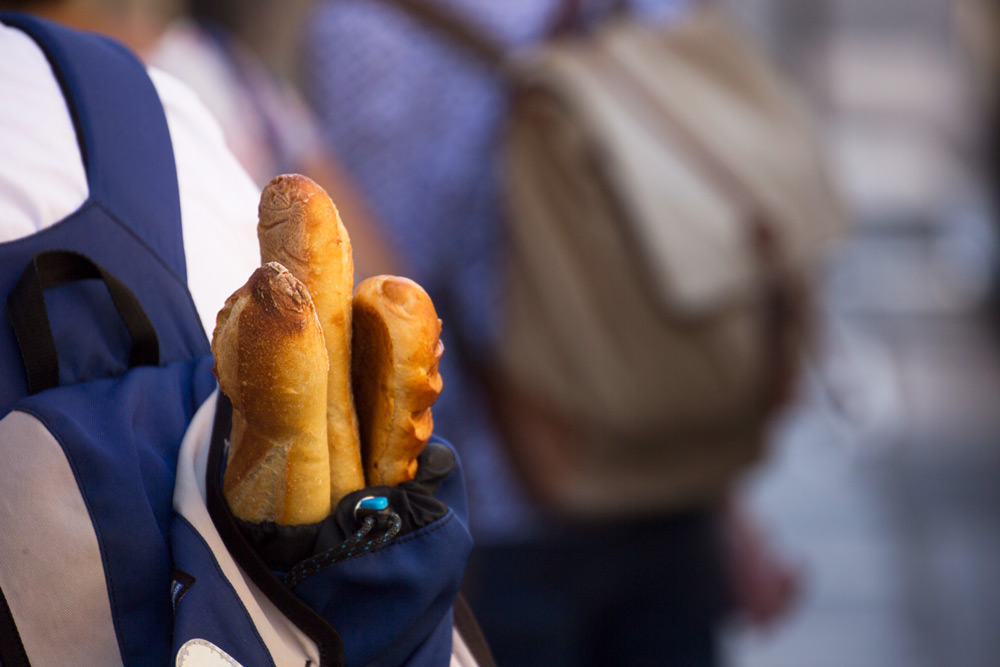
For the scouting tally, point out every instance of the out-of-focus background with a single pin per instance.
(883, 483)
(885, 480)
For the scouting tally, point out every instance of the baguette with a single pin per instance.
(300, 228)
(397, 348)
(271, 362)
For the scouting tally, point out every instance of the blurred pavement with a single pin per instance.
(884, 483)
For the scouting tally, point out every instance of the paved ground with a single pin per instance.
(895, 514)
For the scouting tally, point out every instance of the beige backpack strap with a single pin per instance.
(463, 33)
(475, 40)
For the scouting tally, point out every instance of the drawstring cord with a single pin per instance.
(359, 543)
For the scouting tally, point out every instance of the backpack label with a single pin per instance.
(180, 584)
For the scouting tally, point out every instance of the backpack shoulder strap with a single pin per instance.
(121, 129)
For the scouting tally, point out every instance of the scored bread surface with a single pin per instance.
(397, 349)
(271, 361)
(299, 227)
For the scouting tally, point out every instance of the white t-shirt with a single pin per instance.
(42, 178)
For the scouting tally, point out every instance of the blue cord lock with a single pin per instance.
(371, 506)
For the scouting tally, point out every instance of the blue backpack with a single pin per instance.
(117, 546)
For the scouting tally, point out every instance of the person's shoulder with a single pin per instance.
(218, 199)
(198, 138)
(16, 46)
(41, 174)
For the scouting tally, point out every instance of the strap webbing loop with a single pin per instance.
(29, 318)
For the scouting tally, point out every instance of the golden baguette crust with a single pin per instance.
(299, 227)
(271, 362)
(397, 348)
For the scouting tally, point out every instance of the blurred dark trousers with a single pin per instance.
(650, 592)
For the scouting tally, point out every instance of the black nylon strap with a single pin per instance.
(464, 34)
(12, 653)
(476, 41)
(30, 321)
(472, 634)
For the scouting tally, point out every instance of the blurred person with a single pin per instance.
(417, 120)
(266, 124)
(977, 26)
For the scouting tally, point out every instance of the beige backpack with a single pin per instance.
(668, 207)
